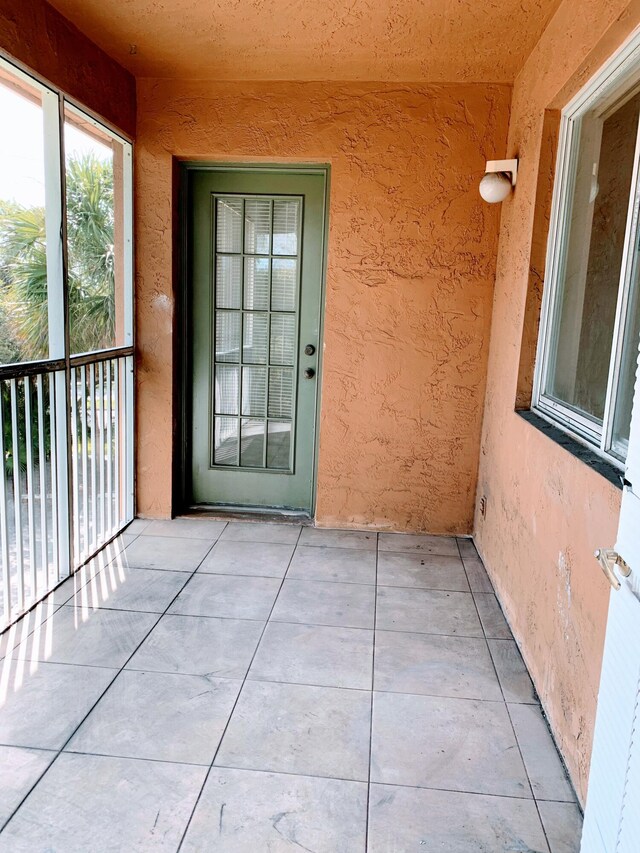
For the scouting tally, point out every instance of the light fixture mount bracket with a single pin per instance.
(508, 166)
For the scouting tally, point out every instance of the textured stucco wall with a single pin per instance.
(411, 264)
(37, 35)
(546, 511)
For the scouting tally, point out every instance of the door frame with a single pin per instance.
(182, 485)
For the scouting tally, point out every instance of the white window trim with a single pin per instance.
(623, 67)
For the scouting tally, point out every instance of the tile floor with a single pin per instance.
(262, 687)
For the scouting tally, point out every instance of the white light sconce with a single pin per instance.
(499, 180)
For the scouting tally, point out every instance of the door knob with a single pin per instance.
(608, 558)
(309, 349)
(309, 373)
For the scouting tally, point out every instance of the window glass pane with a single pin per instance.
(252, 443)
(228, 281)
(581, 344)
(254, 391)
(283, 338)
(227, 336)
(229, 225)
(284, 284)
(227, 387)
(24, 330)
(628, 366)
(280, 392)
(257, 225)
(254, 340)
(225, 441)
(256, 284)
(95, 235)
(285, 226)
(278, 445)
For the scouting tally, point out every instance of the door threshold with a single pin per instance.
(255, 514)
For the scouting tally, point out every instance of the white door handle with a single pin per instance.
(608, 558)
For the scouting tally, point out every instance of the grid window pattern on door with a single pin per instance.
(256, 292)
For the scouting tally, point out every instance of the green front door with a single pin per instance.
(256, 249)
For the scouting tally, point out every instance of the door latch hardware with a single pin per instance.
(309, 373)
(309, 349)
(608, 558)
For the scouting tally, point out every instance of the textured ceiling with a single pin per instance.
(381, 40)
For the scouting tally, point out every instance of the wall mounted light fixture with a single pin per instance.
(499, 180)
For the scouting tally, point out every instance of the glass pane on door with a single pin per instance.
(256, 285)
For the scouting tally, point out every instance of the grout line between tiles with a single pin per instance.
(373, 681)
(526, 770)
(260, 680)
(237, 699)
(506, 706)
(384, 784)
(99, 698)
(302, 775)
(296, 775)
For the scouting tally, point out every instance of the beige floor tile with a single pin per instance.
(314, 731)
(89, 802)
(248, 811)
(21, 769)
(435, 666)
(189, 528)
(493, 621)
(227, 596)
(312, 654)
(41, 706)
(159, 716)
(346, 605)
(422, 543)
(199, 645)
(563, 824)
(260, 559)
(514, 678)
(248, 531)
(454, 744)
(546, 772)
(408, 819)
(428, 571)
(358, 539)
(427, 611)
(345, 565)
(166, 552)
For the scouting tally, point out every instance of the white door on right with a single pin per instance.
(612, 817)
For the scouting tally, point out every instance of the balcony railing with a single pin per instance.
(66, 469)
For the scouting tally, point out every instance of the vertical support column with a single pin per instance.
(4, 521)
(57, 301)
(28, 438)
(128, 316)
(129, 439)
(42, 465)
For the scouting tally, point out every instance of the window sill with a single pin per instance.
(575, 448)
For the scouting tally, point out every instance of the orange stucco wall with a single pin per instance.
(34, 33)
(411, 264)
(546, 511)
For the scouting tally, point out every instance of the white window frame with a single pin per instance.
(621, 70)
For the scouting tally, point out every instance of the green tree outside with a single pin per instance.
(23, 275)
